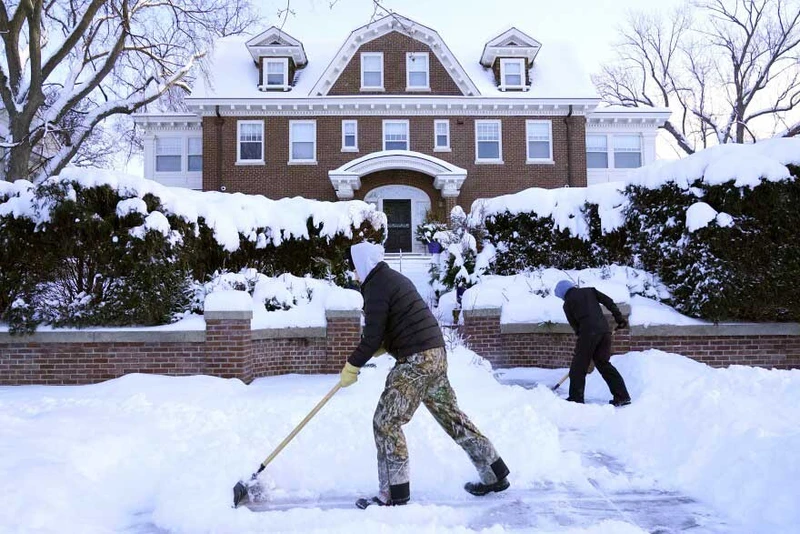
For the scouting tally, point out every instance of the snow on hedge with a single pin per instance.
(747, 165)
(228, 214)
(564, 205)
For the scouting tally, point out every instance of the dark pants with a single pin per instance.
(595, 347)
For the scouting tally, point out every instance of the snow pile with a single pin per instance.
(277, 302)
(258, 219)
(528, 297)
(143, 453)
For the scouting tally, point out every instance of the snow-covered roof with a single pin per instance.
(556, 73)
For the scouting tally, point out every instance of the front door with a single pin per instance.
(398, 215)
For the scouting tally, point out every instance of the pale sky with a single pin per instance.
(589, 25)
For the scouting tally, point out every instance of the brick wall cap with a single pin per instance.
(228, 315)
(482, 312)
(342, 314)
(105, 336)
(721, 329)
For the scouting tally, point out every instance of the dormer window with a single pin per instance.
(372, 71)
(512, 73)
(417, 72)
(276, 73)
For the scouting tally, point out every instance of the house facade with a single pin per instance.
(394, 117)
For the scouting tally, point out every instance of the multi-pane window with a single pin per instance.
(350, 136)
(597, 151)
(303, 141)
(250, 141)
(488, 146)
(195, 154)
(276, 72)
(627, 151)
(372, 70)
(417, 74)
(441, 140)
(540, 142)
(168, 154)
(395, 135)
(512, 73)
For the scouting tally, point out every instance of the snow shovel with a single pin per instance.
(242, 490)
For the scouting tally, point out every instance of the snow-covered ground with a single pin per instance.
(700, 449)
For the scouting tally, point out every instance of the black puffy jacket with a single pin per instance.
(395, 316)
(582, 308)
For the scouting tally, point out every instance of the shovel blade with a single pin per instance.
(240, 494)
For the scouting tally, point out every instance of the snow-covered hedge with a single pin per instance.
(721, 228)
(98, 248)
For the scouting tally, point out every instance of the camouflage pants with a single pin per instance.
(422, 378)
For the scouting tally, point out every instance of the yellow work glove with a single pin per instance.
(380, 352)
(590, 370)
(349, 375)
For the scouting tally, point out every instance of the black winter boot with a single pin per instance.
(500, 471)
(399, 495)
(619, 401)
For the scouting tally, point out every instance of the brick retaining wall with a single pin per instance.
(769, 345)
(227, 348)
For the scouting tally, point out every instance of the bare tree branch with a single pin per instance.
(725, 65)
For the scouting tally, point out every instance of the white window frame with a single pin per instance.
(612, 149)
(609, 157)
(188, 153)
(436, 147)
(410, 61)
(353, 148)
(180, 154)
(549, 158)
(313, 160)
(239, 160)
(499, 159)
(505, 61)
(372, 87)
(284, 61)
(397, 121)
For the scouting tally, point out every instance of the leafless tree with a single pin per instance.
(729, 69)
(69, 65)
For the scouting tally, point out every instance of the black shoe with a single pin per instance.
(619, 402)
(365, 503)
(500, 471)
(479, 488)
(579, 401)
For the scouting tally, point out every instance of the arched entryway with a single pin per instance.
(405, 207)
(404, 204)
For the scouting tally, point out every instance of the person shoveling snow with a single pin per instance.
(582, 308)
(397, 319)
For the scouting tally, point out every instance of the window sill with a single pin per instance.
(350, 149)
(373, 89)
(442, 149)
(489, 162)
(418, 89)
(540, 162)
(513, 87)
(265, 88)
(301, 162)
(250, 162)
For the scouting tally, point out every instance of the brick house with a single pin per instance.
(395, 117)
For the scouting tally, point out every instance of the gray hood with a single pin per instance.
(365, 257)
